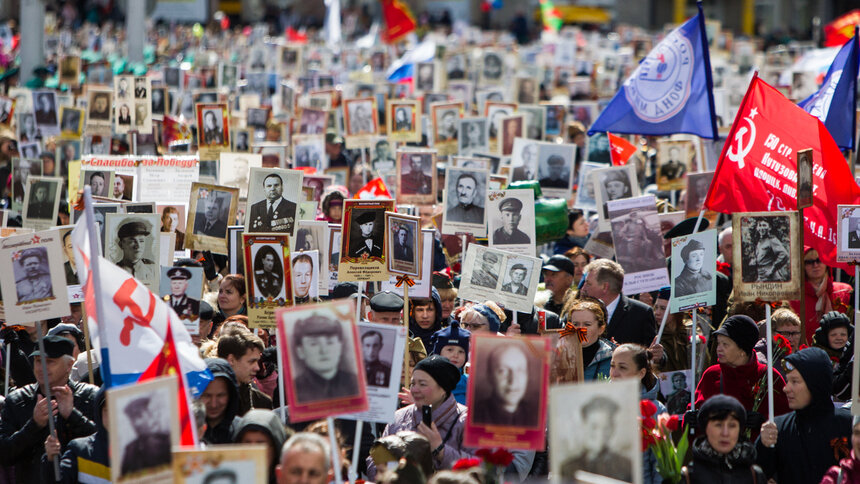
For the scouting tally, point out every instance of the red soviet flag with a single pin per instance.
(757, 170)
(620, 150)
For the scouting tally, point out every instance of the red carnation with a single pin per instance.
(467, 463)
(501, 458)
(647, 408)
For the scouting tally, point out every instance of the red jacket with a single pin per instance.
(850, 472)
(739, 383)
(840, 295)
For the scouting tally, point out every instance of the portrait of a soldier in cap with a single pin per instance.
(132, 240)
(509, 233)
(151, 447)
(268, 272)
(487, 275)
(35, 285)
(319, 345)
(554, 167)
(186, 307)
(693, 278)
(364, 238)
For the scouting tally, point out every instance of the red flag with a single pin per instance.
(374, 190)
(841, 30)
(293, 35)
(620, 149)
(398, 20)
(757, 168)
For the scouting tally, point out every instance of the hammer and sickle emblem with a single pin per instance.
(123, 299)
(742, 149)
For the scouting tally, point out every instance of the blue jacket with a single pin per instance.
(599, 366)
(460, 390)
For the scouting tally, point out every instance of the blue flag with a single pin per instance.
(837, 92)
(671, 90)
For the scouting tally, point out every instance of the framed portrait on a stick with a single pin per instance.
(764, 243)
(507, 392)
(464, 201)
(273, 195)
(498, 275)
(222, 464)
(361, 119)
(848, 233)
(694, 266)
(403, 120)
(607, 414)
(213, 129)
(804, 178)
(511, 220)
(404, 243)
(132, 242)
(42, 196)
(614, 183)
(363, 254)
(268, 281)
(147, 411)
(638, 243)
(35, 284)
(445, 118)
(211, 210)
(322, 361)
(416, 176)
(675, 159)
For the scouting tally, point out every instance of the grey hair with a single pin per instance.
(308, 442)
(607, 271)
(726, 232)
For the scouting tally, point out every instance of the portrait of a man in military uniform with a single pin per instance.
(517, 284)
(274, 213)
(320, 360)
(151, 448)
(510, 210)
(486, 273)
(268, 272)
(33, 281)
(186, 307)
(378, 371)
(416, 181)
(467, 192)
(364, 238)
(133, 239)
(693, 278)
(40, 204)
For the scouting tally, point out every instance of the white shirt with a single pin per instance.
(610, 308)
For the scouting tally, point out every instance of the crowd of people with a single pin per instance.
(598, 331)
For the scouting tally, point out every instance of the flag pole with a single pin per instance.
(855, 152)
(708, 76)
(95, 255)
(87, 346)
(769, 365)
(335, 451)
(693, 341)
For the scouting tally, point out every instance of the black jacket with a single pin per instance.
(418, 331)
(265, 421)
(22, 442)
(808, 439)
(708, 467)
(90, 451)
(529, 322)
(632, 322)
(251, 397)
(222, 433)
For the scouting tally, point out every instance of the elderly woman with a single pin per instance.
(738, 370)
(433, 380)
(822, 293)
(589, 315)
(721, 455)
(634, 361)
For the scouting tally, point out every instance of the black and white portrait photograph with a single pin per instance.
(848, 229)
(403, 120)
(585, 193)
(486, 270)
(463, 199)
(133, 244)
(377, 350)
(22, 169)
(363, 255)
(257, 117)
(101, 181)
(597, 149)
(71, 122)
(517, 276)
(416, 180)
(43, 200)
(425, 75)
(213, 208)
(366, 233)
(763, 245)
(212, 127)
(27, 129)
(160, 103)
(527, 90)
(404, 242)
(495, 112)
(123, 187)
(461, 91)
(224, 464)
(804, 178)
(45, 109)
(456, 65)
(555, 168)
(242, 140)
(272, 200)
(524, 160)
(638, 242)
(614, 183)
(360, 117)
(268, 271)
(323, 361)
(382, 158)
(694, 265)
(181, 288)
(675, 161)
(676, 387)
(306, 274)
(511, 220)
(235, 168)
(534, 117)
(32, 275)
(607, 414)
(35, 286)
(472, 136)
(312, 121)
(445, 117)
(148, 411)
(7, 110)
(29, 151)
(511, 127)
(309, 152)
(697, 190)
(507, 395)
(492, 68)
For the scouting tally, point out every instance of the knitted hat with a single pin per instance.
(741, 329)
(720, 404)
(450, 336)
(443, 371)
(493, 320)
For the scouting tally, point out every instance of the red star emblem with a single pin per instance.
(36, 239)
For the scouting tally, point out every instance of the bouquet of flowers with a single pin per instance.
(781, 348)
(657, 436)
(492, 462)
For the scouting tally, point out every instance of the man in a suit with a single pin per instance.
(516, 286)
(41, 203)
(186, 307)
(529, 158)
(402, 249)
(366, 242)
(630, 321)
(275, 213)
(209, 224)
